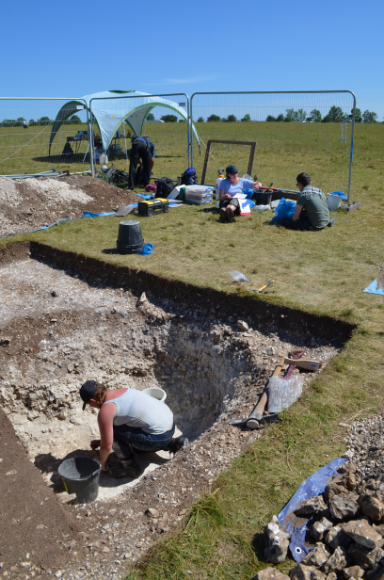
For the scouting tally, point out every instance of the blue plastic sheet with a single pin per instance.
(338, 194)
(374, 288)
(148, 249)
(285, 209)
(249, 192)
(146, 196)
(315, 484)
(87, 214)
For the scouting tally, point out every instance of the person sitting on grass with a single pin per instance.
(229, 187)
(311, 211)
(130, 423)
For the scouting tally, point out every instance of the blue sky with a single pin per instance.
(69, 49)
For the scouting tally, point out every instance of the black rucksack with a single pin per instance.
(189, 177)
(164, 187)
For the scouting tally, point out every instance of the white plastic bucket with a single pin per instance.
(334, 202)
(156, 393)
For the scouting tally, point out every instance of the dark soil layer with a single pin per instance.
(276, 317)
(34, 527)
(11, 253)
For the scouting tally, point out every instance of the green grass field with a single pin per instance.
(323, 272)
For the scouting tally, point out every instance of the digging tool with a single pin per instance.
(256, 418)
(263, 287)
(310, 365)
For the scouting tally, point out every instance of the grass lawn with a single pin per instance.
(323, 272)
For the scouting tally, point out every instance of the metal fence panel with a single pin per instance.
(171, 138)
(25, 136)
(295, 131)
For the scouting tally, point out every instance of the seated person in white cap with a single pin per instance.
(229, 187)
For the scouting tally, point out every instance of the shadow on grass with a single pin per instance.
(110, 251)
(209, 210)
(258, 545)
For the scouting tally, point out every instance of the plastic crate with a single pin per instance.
(148, 208)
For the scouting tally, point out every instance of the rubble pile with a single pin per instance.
(345, 530)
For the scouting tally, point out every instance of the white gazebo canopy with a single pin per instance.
(110, 112)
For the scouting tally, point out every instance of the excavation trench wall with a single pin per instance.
(66, 318)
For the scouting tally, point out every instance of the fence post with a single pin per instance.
(352, 144)
(90, 139)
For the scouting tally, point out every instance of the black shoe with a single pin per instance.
(223, 215)
(230, 215)
(331, 223)
(174, 445)
(129, 468)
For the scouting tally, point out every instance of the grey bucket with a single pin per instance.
(130, 239)
(81, 476)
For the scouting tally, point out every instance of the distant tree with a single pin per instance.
(169, 118)
(182, 121)
(358, 116)
(9, 123)
(213, 118)
(335, 115)
(200, 120)
(75, 120)
(150, 117)
(290, 116)
(280, 118)
(19, 120)
(43, 121)
(230, 119)
(300, 116)
(270, 119)
(246, 118)
(314, 116)
(369, 117)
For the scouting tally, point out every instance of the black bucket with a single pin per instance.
(130, 239)
(81, 476)
(262, 197)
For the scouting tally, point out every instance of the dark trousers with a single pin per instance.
(302, 223)
(141, 177)
(129, 440)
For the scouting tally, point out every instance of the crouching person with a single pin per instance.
(130, 422)
(312, 211)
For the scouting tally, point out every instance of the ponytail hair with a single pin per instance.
(100, 394)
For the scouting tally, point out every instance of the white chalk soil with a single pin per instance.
(58, 330)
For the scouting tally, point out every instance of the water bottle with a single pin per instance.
(219, 179)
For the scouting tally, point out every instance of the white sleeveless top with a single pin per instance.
(137, 409)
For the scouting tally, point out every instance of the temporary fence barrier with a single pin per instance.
(291, 129)
(31, 142)
(25, 132)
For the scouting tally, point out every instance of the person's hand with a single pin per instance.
(228, 196)
(257, 184)
(95, 444)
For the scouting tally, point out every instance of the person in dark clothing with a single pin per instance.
(142, 159)
(312, 211)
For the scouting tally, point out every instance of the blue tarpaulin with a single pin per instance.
(315, 484)
(374, 288)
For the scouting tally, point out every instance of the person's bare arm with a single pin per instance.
(223, 195)
(105, 420)
(297, 213)
(256, 184)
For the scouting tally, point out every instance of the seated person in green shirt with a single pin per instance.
(312, 211)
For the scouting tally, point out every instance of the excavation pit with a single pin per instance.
(60, 328)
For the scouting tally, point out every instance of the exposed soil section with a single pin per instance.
(28, 204)
(79, 320)
(34, 527)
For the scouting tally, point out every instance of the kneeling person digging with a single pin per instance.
(130, 422)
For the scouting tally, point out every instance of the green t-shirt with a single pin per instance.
(314, 202)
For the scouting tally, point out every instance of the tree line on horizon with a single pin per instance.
(43, 121)
(334, 115)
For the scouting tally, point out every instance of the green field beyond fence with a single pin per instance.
(282, 151)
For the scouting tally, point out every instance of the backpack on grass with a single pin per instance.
(164, 187)
(189, 177)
